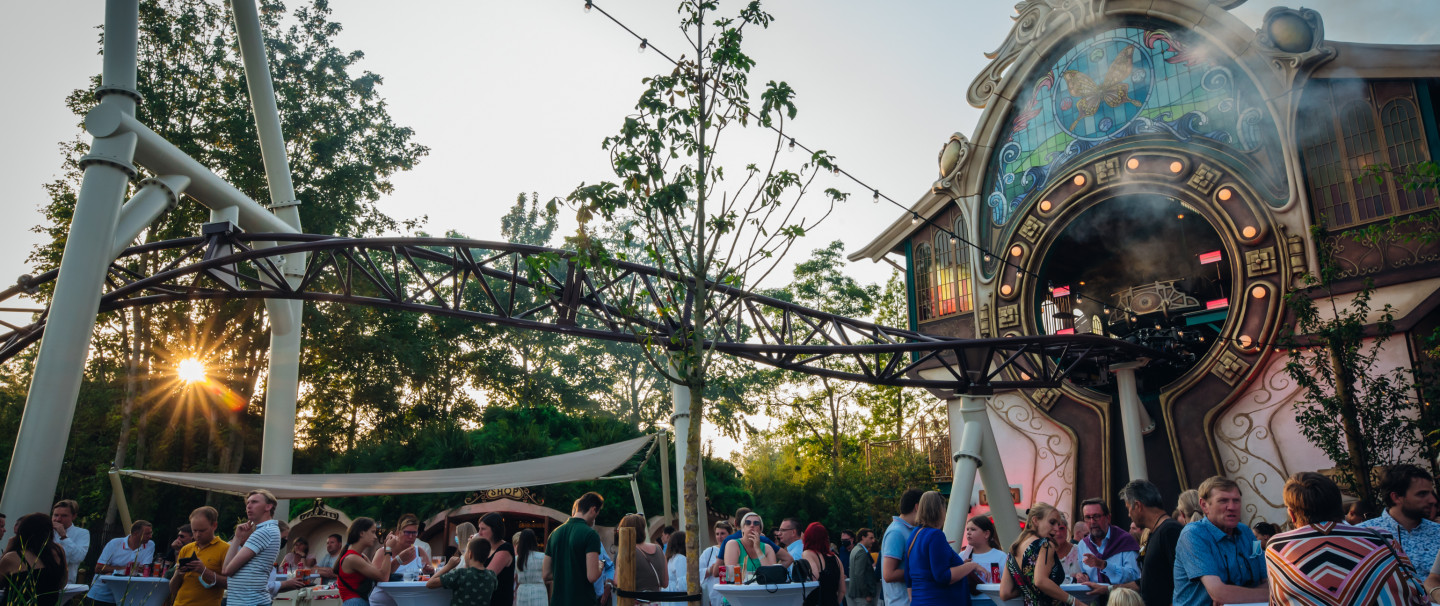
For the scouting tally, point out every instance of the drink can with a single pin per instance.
(994, 573)
(721, 574)
(129, 568)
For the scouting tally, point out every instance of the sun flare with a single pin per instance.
(191, 370)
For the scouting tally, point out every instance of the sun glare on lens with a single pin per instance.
(191, 370)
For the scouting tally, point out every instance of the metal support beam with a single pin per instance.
(1130, 418)
(972, 414)
(59, 366)
(155, 197)
(639, 504)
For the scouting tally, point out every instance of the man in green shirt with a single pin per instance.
(572, 556)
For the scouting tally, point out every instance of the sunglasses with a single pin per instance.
(410, 533)
(752, 522)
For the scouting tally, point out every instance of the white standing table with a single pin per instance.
(71, 591)
(992, 591)
(414, 593)
(763, 595)
(137, 591)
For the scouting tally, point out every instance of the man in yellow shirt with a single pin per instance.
(197, 580)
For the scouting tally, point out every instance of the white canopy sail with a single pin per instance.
(577, 466)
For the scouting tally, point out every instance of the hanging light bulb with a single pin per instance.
(589, 5)
(792, 143)
(835, 168)
(954, 240)
(987, 257)
(876, 197)
(643, 45)
(914, 219)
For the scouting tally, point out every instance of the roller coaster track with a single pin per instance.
(559, 291)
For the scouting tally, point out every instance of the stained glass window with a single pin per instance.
(944, 279)
(964, 287)
(924, 294)
(1146, 79)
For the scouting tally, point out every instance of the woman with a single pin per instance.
(32, 571)
(651, 573)
(299, 556)
(676, 563)
(353, 574)
(710, 561)
(983, 548)
(410, 558)
(502, 557)
(934, 572)
(748, 552)
(1067, 553)
(825, 568)
(1032, 572)
(529, 566)
(1187, 508)
(463, 533)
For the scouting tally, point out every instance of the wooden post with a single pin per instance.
(625, 564)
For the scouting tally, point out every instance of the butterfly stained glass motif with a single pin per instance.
(1113, 90)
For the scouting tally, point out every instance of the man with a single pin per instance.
(893, 547)
(1409, 494)
(847, 545)
(73, 540)
(865, 583)
(572, 555)
(1108, 555)
(1324, 562)
(1144, 505)
(325, 565)
(782, 557)
(1215, 558)
(790, 530)
(252, 552)
(1079, 532)
(121, 554)
(197, 581)
(183, 536)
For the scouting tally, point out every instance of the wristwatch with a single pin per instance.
(387, 551)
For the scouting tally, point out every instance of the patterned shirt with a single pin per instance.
(248, 587)
(1334, 564)
(470, 586)
(1421, 544)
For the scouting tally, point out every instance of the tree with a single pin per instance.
(1360, 415)
(343, 149)
(688, 220)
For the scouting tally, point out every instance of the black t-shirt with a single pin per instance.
(1157, 580)
(505, 588)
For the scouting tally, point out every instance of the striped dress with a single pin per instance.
(1335, 564)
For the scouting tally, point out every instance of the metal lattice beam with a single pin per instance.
(557, 291)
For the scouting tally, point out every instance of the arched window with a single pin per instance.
(924, 293)
(963, 284)
(1404, 142)
(944, 278)
(1362, 149)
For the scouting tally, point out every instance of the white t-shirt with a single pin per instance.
(996, 557)
(118, 553)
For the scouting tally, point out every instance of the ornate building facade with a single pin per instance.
(1160, 170)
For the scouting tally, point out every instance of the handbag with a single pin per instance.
(366, 586)
(771, 575)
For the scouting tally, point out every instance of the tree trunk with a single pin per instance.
(1345, 394)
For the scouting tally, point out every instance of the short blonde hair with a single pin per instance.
(269, 498)
(1124, 596)
(1214, 483)
(931, 511)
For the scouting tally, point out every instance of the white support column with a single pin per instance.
(977, 450)
(155, 197)
(680, 394)
(965, 448)
(282, 387)
(1130, 418)
(55, 383)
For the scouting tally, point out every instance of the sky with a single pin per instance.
(515, 97)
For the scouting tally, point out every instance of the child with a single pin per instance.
(471, 585)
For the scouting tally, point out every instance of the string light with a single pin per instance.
(915, 219)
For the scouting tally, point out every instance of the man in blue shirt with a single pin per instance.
(893, 546)
(1217, 558)
(790, 530)
(1409, 492)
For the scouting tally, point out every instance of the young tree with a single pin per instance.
(688, 219)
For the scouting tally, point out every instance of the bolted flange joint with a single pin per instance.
(107, 90)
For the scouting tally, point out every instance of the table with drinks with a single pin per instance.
(1079, 590)
(410, 590)
(143, 585)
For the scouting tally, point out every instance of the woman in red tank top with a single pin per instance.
(355, 572)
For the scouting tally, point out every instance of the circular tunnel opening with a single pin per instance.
(1144, 268)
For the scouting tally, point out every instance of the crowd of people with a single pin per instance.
(1195, 551)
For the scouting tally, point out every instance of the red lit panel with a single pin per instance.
(1207, 258)
(1217, 304)
(1060, 291)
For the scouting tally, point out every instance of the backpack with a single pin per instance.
(366, 586)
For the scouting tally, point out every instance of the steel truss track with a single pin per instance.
(558, 291)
